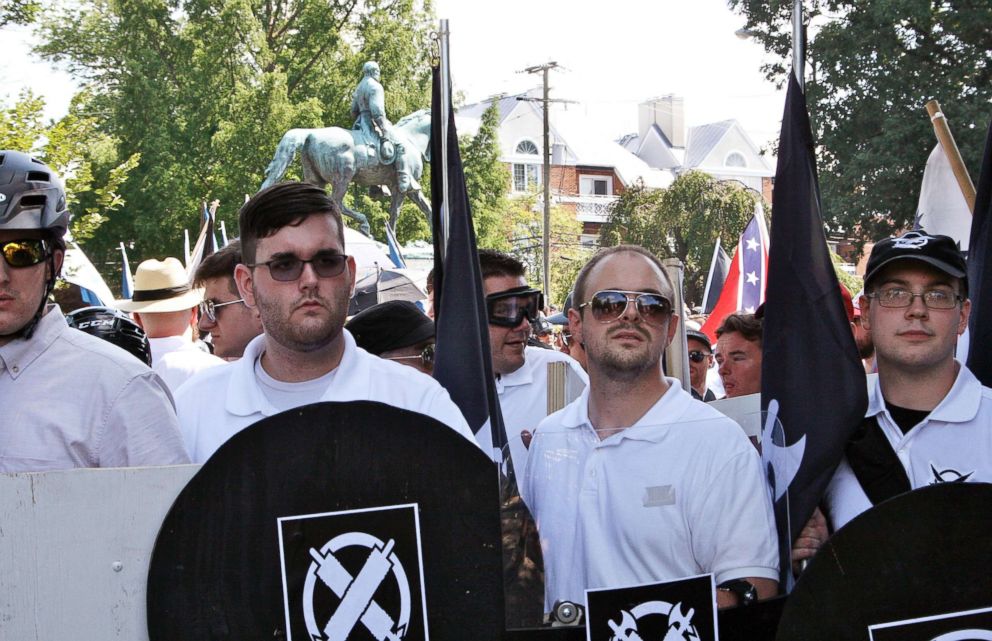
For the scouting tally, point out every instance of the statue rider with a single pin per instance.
(368, 107)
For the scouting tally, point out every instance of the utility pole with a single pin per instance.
(546, 175)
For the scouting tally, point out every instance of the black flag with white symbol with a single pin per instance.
(980, 274)
(810, 367)
(355, 575)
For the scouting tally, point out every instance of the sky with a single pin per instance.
(613, 55)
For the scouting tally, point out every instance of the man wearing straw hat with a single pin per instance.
(164, 305)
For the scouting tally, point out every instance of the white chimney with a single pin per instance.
(668, 112)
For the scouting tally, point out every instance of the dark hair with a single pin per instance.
(496, 263)
(747, 325)
(220, 264)
(579, 291)
(285, 204)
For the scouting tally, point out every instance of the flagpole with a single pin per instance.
(445, 114)
(946, 139)
(798, 45)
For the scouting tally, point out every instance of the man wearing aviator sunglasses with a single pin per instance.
(298, 276)
(636, 480)
(69, 399)
(521, 372)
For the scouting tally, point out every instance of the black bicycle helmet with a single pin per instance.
(113, 326)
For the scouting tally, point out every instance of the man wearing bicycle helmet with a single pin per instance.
(68, 399)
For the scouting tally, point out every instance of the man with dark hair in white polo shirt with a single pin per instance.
(929, 419)
(636, 481)
(297, 274)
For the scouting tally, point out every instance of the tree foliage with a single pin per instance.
(871, 67)
(487, 182)
(682, 221)
(203, 90)
(73, 146)
(18, 11)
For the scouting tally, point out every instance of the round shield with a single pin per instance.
(333, 521)
(921, 555)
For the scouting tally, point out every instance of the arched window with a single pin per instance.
(527, 147)
(735, 159)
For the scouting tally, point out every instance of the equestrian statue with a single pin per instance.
(373, 153)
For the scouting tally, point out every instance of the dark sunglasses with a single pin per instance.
(326, 264)
(24, 253)
(208, 308)
(698, 357)
(510, 308)
(426, 357)
(609, 305)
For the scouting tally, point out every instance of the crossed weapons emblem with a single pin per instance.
(357, 593)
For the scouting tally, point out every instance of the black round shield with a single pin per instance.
(314, 524)
(921, 554)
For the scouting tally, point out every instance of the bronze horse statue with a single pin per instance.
(338, 156)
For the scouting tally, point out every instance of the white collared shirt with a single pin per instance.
(523, 398)
(679, 493)
(216, 404)
(68, 399)
(177, 358)
(952, 444)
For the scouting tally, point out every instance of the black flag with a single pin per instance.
(980, 273)
(810, 365)
(463, 364)
(719, 268)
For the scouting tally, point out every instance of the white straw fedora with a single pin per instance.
(161, 286)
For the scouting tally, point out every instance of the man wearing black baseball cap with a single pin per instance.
(929, 419)
(700, 361)
(398, 331)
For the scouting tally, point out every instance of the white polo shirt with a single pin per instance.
(680, 493)
(177, 358)
(216, 404)
(952, 444)
(523, 398)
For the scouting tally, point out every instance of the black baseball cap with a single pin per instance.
(699, 336)
(561, 318)
(390, 325)
(935, 250)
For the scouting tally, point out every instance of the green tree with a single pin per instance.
(871, 67)
(73, 146)
(487, 181)
(18, 11)
(203, 90)
(682, 221)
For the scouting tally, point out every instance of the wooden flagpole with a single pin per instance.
(946, 140)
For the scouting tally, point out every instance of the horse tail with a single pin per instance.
(285, 152)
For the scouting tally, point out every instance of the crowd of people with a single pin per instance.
(636, 480)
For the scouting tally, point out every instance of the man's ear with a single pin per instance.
(673, 327)
(58, 256)
(965, 314)
(575, 326)
(865, 304)
(352, 269)
(244, 279)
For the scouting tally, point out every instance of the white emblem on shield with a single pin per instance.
(356, 593)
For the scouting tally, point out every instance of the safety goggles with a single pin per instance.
(208, 308)
(698, 357)
(326, 264)
(426, 357)
(609, 305)
(510, 308)
(24, 253)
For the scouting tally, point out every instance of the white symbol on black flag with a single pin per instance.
(681, 610)
(969, 625)
(355, 575)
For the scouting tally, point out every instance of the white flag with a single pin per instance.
(942, 208)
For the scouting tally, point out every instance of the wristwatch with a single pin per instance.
(746, 593)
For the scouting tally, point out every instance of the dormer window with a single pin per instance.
(527, 148)
(735, 159)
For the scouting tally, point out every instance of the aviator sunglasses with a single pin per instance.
(209, 308)
(24, 253)
(609, 305)
(326, 264)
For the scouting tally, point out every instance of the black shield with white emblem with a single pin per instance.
(681, 610)
(354, 574)
(217, 568)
